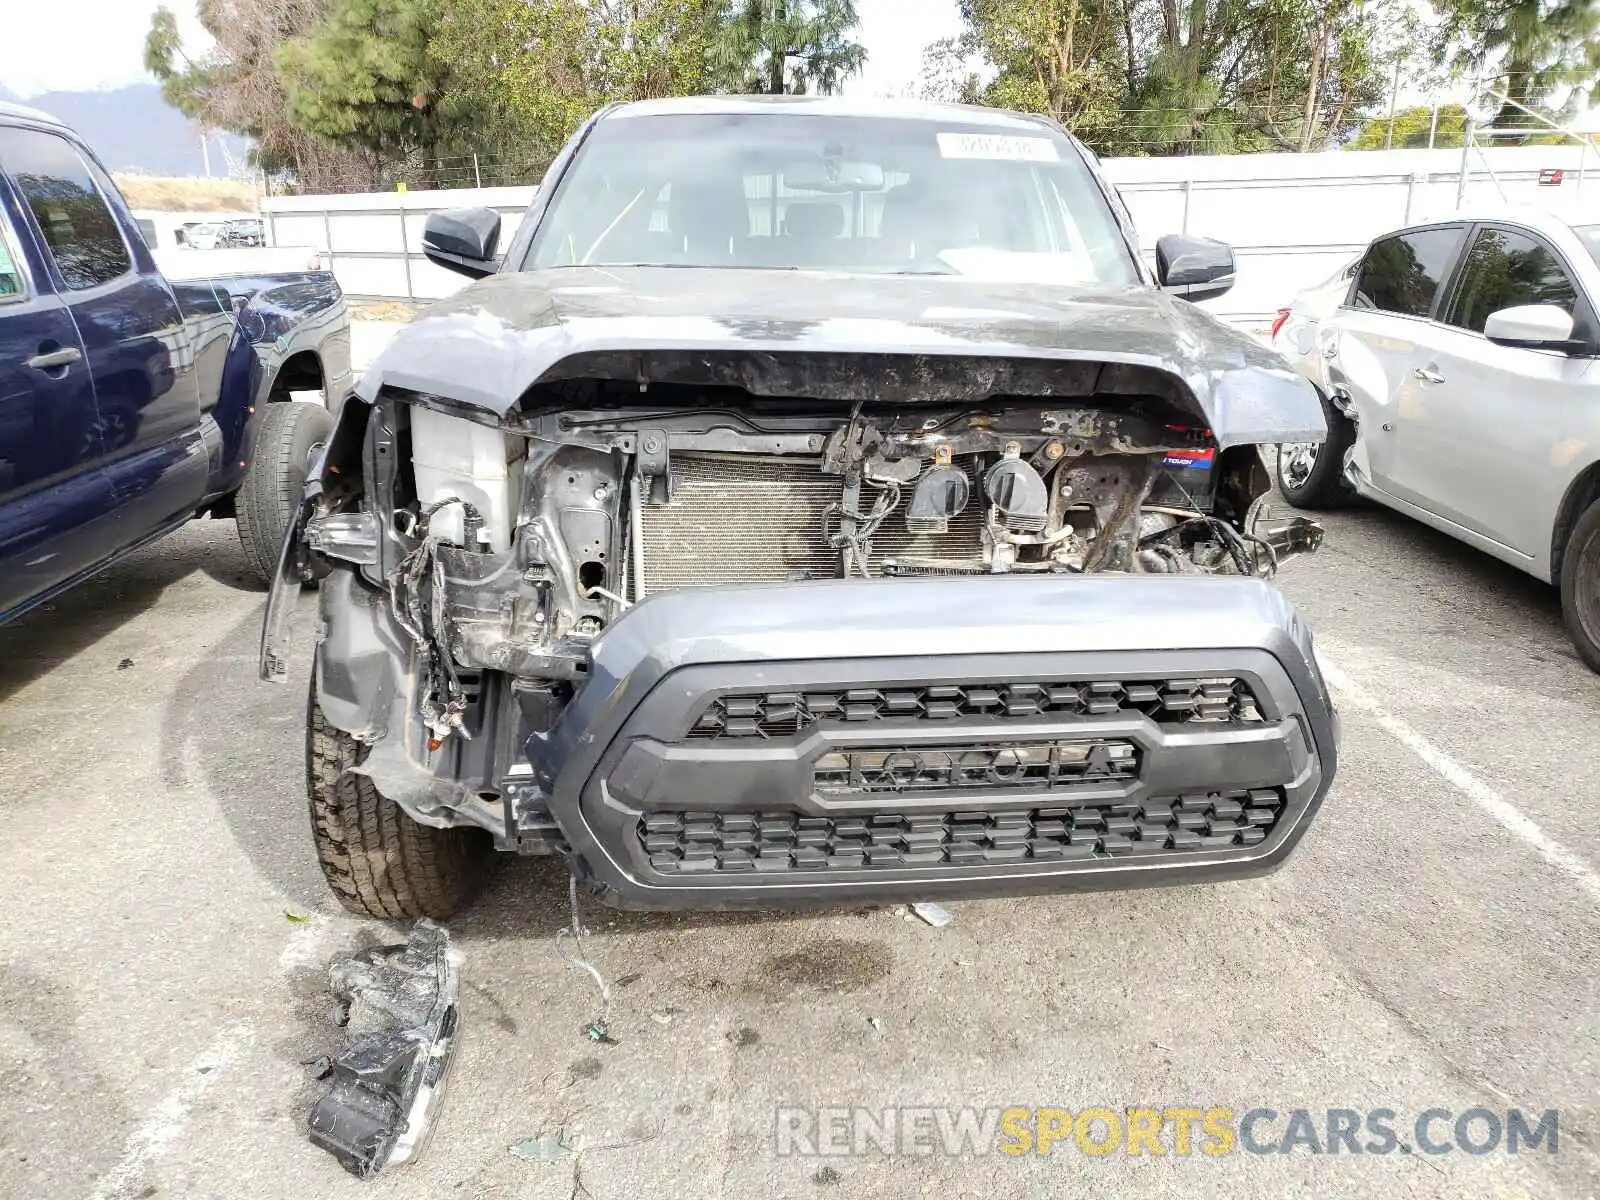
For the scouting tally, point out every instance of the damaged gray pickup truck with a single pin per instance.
(812, 503)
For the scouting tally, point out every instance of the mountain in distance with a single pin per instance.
(132, 128)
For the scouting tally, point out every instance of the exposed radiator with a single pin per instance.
(741, 518)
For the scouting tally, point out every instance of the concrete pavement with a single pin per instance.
(1432, 943)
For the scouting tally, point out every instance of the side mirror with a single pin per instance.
(463, 240)
(1195, 268)
(1531, 326)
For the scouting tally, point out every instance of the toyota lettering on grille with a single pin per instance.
(1028, 766)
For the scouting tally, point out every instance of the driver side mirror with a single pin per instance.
(463, 240)
(1195, 268)
(1531, 327)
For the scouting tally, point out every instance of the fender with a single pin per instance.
(291, 333)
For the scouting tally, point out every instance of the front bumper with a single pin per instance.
(919, 739)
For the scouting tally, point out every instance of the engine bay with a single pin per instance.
(510, 547)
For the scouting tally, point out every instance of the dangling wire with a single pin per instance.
(440, 678)
(856, 528)
(596, 1029)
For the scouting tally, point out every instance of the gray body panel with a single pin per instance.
(660, 661)
(488, 344)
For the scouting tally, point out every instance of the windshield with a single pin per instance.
(1590, 236)
(880, 195)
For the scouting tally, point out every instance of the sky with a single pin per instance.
(107, 47)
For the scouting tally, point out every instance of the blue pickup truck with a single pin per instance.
(130, 403)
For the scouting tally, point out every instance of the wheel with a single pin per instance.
(1580, 586)
(1311, 474)
(270, 495)
(377, 860)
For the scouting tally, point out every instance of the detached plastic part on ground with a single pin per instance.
(389, 1079)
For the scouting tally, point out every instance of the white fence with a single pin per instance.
(373, 240)
(1293, 219)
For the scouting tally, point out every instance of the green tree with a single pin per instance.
(1241, 75)
(787, 46)
(530, 71)
(363, 77)
(1531, 51)
(1412, 127)
(235, 86)
(1050, 56)
(1164, 77)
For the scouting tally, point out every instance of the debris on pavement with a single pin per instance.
(297, 918)
(125, 664)
(551, 1146)
(932, 913)
(399, 1004)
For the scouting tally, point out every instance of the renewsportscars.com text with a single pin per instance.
(1179, 1130)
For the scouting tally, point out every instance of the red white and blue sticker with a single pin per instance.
(1198, 460)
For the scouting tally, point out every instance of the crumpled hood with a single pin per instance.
(486, 345)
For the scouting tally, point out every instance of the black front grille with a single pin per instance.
(1168, 702)
(1015, 766)
(699, 842)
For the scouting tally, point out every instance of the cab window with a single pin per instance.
(1505, 269)
(73, 216)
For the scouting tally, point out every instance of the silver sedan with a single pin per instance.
(1458, 368)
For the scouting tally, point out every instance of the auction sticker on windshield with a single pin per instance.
(997, 146)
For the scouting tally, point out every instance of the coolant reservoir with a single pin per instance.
(451, 456)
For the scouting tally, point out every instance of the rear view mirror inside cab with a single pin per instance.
(832, 175)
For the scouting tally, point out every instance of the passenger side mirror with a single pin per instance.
(463, 240)
(1531, 326)
(1195, 268)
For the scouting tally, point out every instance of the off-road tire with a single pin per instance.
(1325, 487)
(274, 481)
(1580, 586)
(378, 861)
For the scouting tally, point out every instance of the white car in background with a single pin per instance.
(1295, 330)
(204, 236)
(1459, 365)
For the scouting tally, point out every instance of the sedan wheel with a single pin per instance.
(1296, 463)
(1580, 586)
(1311, 474)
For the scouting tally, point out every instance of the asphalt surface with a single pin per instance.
(1432, 943)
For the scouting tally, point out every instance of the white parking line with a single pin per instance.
(1464, 781)
(167, 1119)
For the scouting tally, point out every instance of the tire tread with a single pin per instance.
(1580, 589)
(274, 479)
(377, 860)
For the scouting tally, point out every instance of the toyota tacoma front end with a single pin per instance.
(735, 580)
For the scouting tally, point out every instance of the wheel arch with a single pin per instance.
(302, 371)
(1583, 491)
